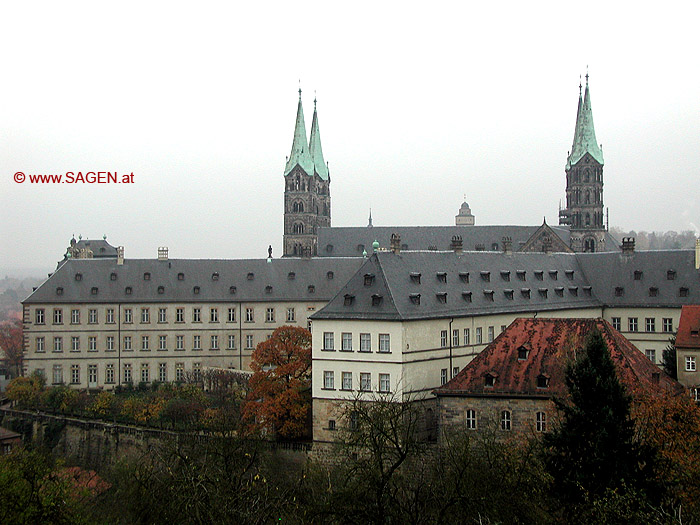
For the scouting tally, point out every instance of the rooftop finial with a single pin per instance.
(299, 89)
(314, 100)
(586, 75)
(579, 85)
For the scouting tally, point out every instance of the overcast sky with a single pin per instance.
(418, 103)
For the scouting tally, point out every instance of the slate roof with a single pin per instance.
(688, 336)
(427, 285)
(100, 248)
(549, 345)
(104, 281)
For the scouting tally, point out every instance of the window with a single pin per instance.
(651, 354)
(384, 383)
(75, 317)
(179, 372)
(39, 317)
(180, 276)
(683, 292)
(505, 420)
(346, 342)
(162, 372)
(667, 324)
(478, 335)
(109, 373)
(365, 343)
(347, 381)
(490, 334)
(638, 275)
(110, 315)
(162, 342)
(365, 381)
(671, 275)
(455, 371)
(443, 376)
(214, 342)
(384, 343)
(92, 316)
(328, 380)
(231, 315)
(690, 363)
(58, 344)
(328, 341)
(196, 342)
(75, 344)
(470, 419)
(57, 316)
(249, 315)
(466, 336)
(110, 343)
(249, 341)
(542, 381)
(196, 315)
(145, 373)
(197, 371)
(162, 315)
(443, 339)
(57, 374)
(75, 374)
(541, 422)
(651, 324)
(617, 323)
(415, 277)
(455, 337)
(270, 315)
(291, 316)
(179, 342)
(632, 324)
(179, 315)
(213, 315)
(92, 343)
(144, 343)
(145, 315)
(127, 373)
(127, 343)
(128, 318)
(231, 342)
(40, 347)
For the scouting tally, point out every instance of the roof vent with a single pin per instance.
(627, 245)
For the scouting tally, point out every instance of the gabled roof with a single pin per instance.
(584, 133)
(300, 151)
(315, 150)
(195, 280)
(551, 344)
(688, 336)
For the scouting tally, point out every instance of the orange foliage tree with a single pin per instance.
(278, 398)
(11, 346)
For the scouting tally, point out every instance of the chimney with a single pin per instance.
(507, 245)
(547, 244)
(697, 254)
(120, 255)
(395, 243)
(480, 247)
(162, 253)
(627, 245)
(456, 244)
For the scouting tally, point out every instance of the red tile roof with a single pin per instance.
(550, 344)
(688, 328)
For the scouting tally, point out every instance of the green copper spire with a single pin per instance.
(584, 134)
(300, 153)
(315, 148)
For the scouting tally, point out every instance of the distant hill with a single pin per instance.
(12, 292)
(669, 240)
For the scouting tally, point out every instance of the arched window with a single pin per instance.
(588, 197)
(588, 219)
(296, 183)
(298, 207)
(298, 228)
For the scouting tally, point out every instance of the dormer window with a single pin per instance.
(488, 295)
(508, 294)
(291, 276)
(525, 292)
(128, 290)
(441, 277)
(485, 276)
(59, 291)
(505, 275)
(161, 290)
(348, 300)
(638, 275)
(671, 275)
(543, 381)
(180, 276)
(553, 275)
(329, 248)
(113, 276)
(78, 276)
(464, 277)
(543, 292)
(415, 298)
(587, 291)
(467, 296)
(360, 248)
(369, 279)
(376, 299)
(329, 276)
(521, 274)
(653, 291)
(311, 288)
(539, 275)
(559, 290)
(441, 297)
(195, 290)
(573, 290)
(489, 380)
(523, 352)
(215, 276)
(268, 289)
(250, 276)
(415, 277)
(147, 276)
(569, 274)
(619, 291)
(683, 292)
(232, 290)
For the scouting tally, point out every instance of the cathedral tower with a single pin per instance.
(584, 183)
(307, 196)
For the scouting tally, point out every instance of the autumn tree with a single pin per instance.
(278, 399)
(597, 464)
(11, 346)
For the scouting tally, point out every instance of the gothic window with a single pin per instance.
(589, 245)
(298, 207)
(298, 228)
(588, 219)
(588, 197)
(586, 175)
